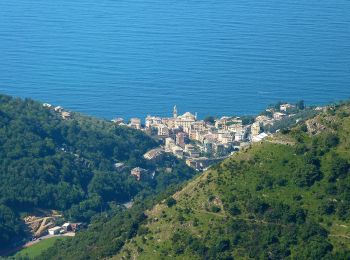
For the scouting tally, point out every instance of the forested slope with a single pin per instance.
(47, 162)
(286, 198)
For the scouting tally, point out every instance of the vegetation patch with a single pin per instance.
(34, 251)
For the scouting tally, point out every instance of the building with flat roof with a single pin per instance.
(67, 227)
(119, 166)
(286, 107)
(259, 137)
(54, 230)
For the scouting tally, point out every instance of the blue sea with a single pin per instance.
(125, 58)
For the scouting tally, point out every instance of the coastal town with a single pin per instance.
(203, 142)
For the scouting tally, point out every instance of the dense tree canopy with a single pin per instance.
(68, 165)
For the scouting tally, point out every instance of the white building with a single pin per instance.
(278, 116)
(239, 136)
(225, 137)
(178, 151)
(169, 144)
(185, 121)
(154, 154)
(152, 121)
(66, 115)
(163, 130)
(119, 166)
(259, 137)
(54, 230)
(235, 127)
(286, 107)
(67, 227)
(118, 120)
(198, 125)
(58, 109)
(264, 120)
(47, 105)
(255, 129)
(135, 123)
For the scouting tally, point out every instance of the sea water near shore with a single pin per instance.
(133, 57)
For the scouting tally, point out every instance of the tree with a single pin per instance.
(68, 165)
(300, 105)
(338, 167)
(210, 119)
(331, 140)
(170, 202)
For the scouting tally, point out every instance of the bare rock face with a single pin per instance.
(314, 127)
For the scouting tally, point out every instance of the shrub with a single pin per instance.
(215, 209)
(170, 202)
(234, 211)
(331, 140)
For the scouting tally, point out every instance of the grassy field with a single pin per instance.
(37, 249)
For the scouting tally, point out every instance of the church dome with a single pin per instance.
(188, 115)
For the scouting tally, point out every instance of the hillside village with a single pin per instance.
(203, 142)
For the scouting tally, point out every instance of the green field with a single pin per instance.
(37, 249)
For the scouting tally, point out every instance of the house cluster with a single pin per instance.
(65, 228)
(60, 110)
(201, 142)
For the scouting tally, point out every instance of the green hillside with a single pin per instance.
(35, 250)
(285, 198)
(51, 163)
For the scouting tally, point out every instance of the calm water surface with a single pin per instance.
(134, 57)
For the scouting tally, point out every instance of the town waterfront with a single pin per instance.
(133, 58)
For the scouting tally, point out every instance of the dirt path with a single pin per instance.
(274, 141)
(238, 218)
(342, 236)
(44, 226)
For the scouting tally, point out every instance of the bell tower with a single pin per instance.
(175, 112)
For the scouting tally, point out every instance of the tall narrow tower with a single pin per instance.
(175, 112)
